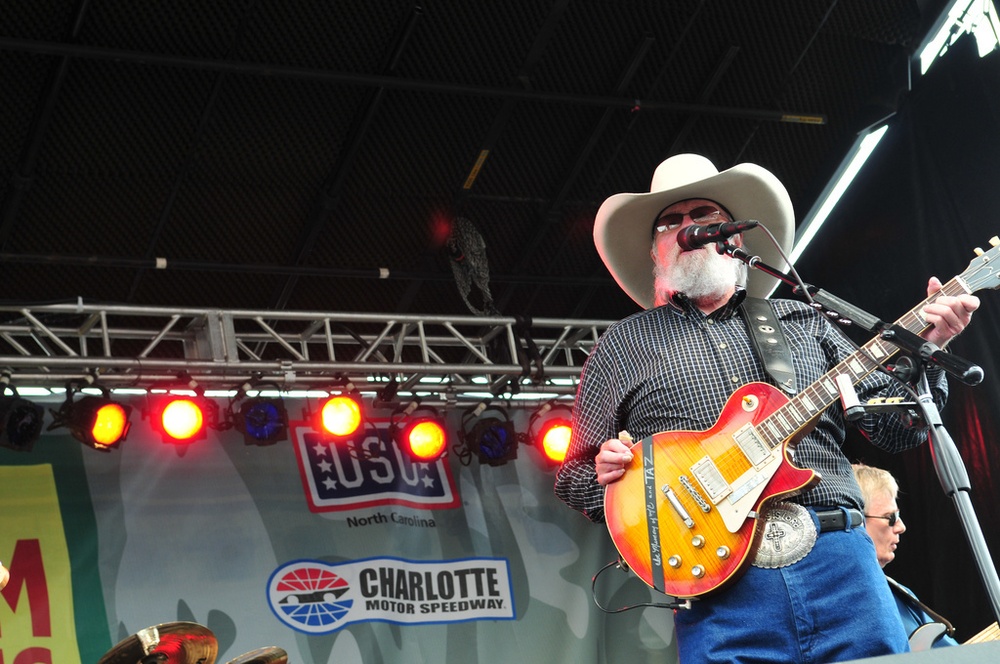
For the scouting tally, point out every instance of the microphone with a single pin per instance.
(695, 236)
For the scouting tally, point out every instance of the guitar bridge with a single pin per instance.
(676, 504)
(695, 494)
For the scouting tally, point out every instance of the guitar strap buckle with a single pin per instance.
(788, 534)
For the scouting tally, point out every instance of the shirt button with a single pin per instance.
(735, 379)
(710, 321)
(723, 345)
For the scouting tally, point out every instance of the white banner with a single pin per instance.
(315, 597)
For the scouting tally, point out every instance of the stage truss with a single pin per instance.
(449, 358)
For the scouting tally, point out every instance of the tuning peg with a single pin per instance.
(977, 251)
(994, 241)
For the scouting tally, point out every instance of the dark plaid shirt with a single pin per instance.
(672, 369)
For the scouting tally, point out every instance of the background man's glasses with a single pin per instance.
(891, 518)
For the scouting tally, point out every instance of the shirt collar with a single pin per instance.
(683, 304)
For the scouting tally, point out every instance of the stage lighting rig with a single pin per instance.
(341, 415)
(20, 420)
(419, 431)
(549, 429)
(261, 420)
(96, 421)
(489, 434)
(181, 420)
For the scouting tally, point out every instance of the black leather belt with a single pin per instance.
(837, 519)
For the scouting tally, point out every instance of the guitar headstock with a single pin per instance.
(984, 270)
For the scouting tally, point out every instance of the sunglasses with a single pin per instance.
(706, 214)
(891, 518)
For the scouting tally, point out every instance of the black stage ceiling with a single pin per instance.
(306, 155)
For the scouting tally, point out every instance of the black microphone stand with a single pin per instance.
(948, 463)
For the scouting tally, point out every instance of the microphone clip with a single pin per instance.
(854, 410)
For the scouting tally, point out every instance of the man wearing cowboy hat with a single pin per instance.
(673, 366)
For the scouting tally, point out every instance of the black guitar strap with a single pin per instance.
(769, 341)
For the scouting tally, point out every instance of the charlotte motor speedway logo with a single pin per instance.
(318, 598)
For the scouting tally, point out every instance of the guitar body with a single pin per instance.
(923, 637)
(684, 515)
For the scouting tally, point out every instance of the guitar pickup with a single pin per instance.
(753, 446)
(711, 479)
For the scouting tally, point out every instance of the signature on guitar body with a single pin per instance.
(685, 514)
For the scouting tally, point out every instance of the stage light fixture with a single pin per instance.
(490, 435)
(181, 420)
(341, 415)
(262, 421)
(420, 433)
(550, 428)
(96, 421)
(20, 422)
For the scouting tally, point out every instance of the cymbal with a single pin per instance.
(269, 655)
(168, 643)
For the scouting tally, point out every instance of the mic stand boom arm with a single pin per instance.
(846, 313)
(948, 462)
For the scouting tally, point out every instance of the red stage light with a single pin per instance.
(182, 421)
(424, 439)
(554, 440)
(341, 415)
(549, 430)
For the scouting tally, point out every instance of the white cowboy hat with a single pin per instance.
(624, 224)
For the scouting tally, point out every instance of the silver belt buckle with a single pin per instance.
(788, 535)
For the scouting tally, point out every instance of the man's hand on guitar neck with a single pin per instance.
(947, 315)
(611, 459)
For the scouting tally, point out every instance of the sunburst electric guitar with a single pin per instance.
(685, 515)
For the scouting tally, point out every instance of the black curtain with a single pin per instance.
(927, 197)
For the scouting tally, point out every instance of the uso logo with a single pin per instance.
(308, 596)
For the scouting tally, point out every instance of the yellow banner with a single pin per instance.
(37, 624)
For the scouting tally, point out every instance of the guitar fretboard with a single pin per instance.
(814, 399)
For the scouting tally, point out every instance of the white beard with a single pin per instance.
(703, 275)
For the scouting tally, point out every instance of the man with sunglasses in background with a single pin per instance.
(885, 526)
(814, 592)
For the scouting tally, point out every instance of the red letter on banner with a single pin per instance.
(28, 570)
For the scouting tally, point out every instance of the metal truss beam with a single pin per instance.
(150, 347)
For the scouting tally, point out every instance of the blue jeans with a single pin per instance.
(833, 605)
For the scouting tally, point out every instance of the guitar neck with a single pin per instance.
(813, 400)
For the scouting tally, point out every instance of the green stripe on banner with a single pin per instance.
(64, 455)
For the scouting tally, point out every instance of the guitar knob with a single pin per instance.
(722, 552)
(674, 561)
(698, 571)
(698, 541)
